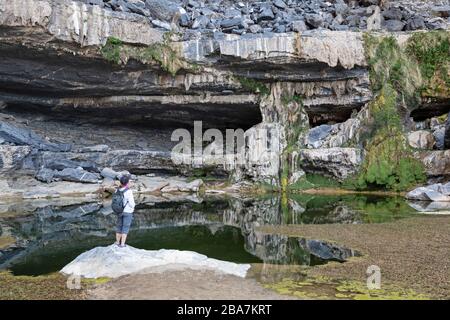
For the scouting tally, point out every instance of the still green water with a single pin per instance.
(52, 236)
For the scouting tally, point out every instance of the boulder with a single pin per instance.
(421, 139)
(418, 194)
(109, 173)
(415, 23)
(314, 20)
(393, 14)
(280, 4)
(162, 24)
(266, 14)
(393, 25)
(114, 261)
(163, 10)
(200, 22)
(299, 26)
(77, 175)
(45, 175)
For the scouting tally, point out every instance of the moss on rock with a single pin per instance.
(432, 52)
(388, 162)
(163, 54)
(253, 85)
(396, 79)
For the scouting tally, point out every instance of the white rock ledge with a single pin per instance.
(113, 262)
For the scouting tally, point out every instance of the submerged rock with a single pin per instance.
(114, 261)
(327, 251)
(427, 206)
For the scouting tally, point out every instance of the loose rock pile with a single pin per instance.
(279, 16)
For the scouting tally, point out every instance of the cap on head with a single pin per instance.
(124, 179)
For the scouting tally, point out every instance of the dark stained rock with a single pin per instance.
(415, 23)
(266, 14)
(233, 22)
(20, 136)
(393, 14)
(62, 163)
(184, 20)
(314, 20)
(394, 25)
(327, 251)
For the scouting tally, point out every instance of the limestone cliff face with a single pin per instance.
(68, 62)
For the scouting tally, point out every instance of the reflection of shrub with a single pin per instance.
(312, 181)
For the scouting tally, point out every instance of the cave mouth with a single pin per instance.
(422, 114)
(138, 127)
(330, 114)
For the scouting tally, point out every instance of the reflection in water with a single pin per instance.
(49, 235)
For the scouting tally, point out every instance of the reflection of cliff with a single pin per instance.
(37, 225)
